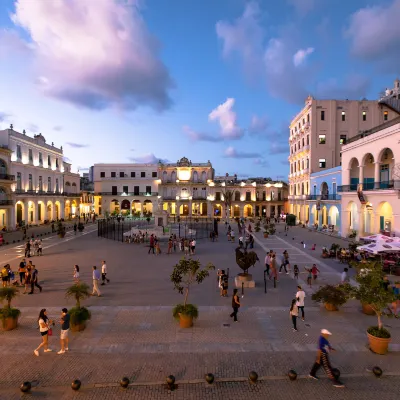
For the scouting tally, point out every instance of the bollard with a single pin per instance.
(209, 378)
(253, 376)
(336, 373)
(26, 387)
(124, 382)
(265, 282)
(171, 382)
(242, 288)
(228, 273)
(76, 384)
(274, 282)
(292, 374)
(377, 371)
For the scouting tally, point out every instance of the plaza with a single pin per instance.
(132, 332)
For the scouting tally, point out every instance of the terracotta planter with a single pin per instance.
(367, 309)
(325, 255)
(266, 235)
(78, 327)
(185, 321)
(8, 324)
(330, 307)
(378, 345)
(61, 235)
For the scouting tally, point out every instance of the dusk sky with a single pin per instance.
(219, 80)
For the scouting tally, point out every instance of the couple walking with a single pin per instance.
(96, 278)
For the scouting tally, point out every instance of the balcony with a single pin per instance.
(383, 185)
(125, 194)
(7, 177)
(6, 202)
(324, 197)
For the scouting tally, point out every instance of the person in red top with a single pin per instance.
(151, 247)
(315, 271)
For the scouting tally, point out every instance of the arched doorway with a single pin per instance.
(324, 191)
(334, 216)
(203, 209)
(184, 210)
(217, 210)
(368, 218)
(49, 214)
(126, 206)
(74, 207)
(114, 206)
(368, 172)
(147, 208)
(67, 209)
(386, 165)
(57, 210)
(354, 173)
(40, 211)
(385, 216)
(236, 211)
(248, 210)
(136, 208)
(19, 212)
(31, 212)
(353, 215)
(3, 168)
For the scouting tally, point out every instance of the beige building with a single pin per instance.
(316, 137)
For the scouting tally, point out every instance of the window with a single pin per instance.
(308, 163)
(385, 116)
(154, 174)
(56, 162)
(40, 184)
(41, 159)
(30, 156)
(343, 139)
(133, 174)
(263, 196)
(322, 115)
(295, 147)
(308, 117)
(143, 174)
(48, 162)
(304, 121)
(322, 163)
(113, 190)
(272, 195)
(218, 196)
(113, 175)
(308, 140)
(102, 174)
(237, 196)
(322, 139)
(292, 149)
(125, 189)
(30, 182)
(248, 196)
(291, 168)
(364, 115)
(57, 187)
(148, 190)
(299, 125)
(294, 167)
(136, 190)
(49, 184)
(343, 115)
(19, 181)
(122, 174)
(334, 188)
(303, 142)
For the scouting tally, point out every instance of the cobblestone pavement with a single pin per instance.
(132, 332)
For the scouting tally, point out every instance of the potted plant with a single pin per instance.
(8, 314)
(372, 291)
(331, 296)
(271, 229)
(79, 315)
(325, 252)
(60, 229)
(352, 234)
(185, 273)
(290, 220)
(257, 227)
(266, 230)
(81, 227)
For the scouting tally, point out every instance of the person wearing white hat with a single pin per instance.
(324, 348)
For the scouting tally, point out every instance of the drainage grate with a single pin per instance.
(308, 325)
(226, 325)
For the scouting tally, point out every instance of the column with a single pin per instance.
(35, 216)
(345, 222)
(361, 174)
(177, 208)
(62, 209)
(25, 213)
(360, 228)
(396, 224)
(209, 209)
(190, 208)
(11, 218)
(241, 211)
(377, 177)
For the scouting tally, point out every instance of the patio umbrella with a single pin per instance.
(379, 238)
(380, 247)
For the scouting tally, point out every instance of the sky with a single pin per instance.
(119, 81)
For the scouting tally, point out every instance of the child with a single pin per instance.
(296, 271)
(309, 276)
(158, 250)
(294, 313)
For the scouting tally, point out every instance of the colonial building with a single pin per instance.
(87, 193)
(371, 181)
(317, 135)
(325, 201)
(125, 188)
(38, 186)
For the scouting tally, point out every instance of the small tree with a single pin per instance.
(185, 273)
(79, 292)
(79, 315)
(60, 229)
(8, 294)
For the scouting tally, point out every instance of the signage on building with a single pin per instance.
(360, 193)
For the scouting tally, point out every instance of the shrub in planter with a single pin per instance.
(79, 315)
(372, 291)
(290, 220)
(331, 296)
(185, 273)
(60, 229)
(81, 227)
(8, 315)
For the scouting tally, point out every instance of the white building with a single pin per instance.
(125, 188)
(40, 185)
(371, 181)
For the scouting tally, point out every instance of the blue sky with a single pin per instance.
(142, 80)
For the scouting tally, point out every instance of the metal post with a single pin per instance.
(265, 282)
(242, 288)
(228, 273)
(274, 282)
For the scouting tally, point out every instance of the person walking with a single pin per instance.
(76, 273)
(324, 348)
(224, 284)
(267, 262)
(65, 317)
(28, 277)
(34, 281)
(300, 296)
(4, 276)
(309, 276)
(283, 263)
(40, 247)
(294, 313)
(296, 271)
(96, 278)
(151, 244)
(44, 327)
(104, 273)
(193, 246)
(27, 249)
(315, 271)
(75, 228)
(235, 305)
(274, 269)
(344, 278)
(21, 271)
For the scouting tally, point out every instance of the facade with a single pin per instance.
(324, 201)
(125, 188)
(184, 189)
(38, 186)
(317, 135)
(371, 181)
(87, 194)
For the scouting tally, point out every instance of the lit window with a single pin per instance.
(322, 139)
(364, 115)
(343, 139)
(385, 116)
(322, 163)
(343, 115)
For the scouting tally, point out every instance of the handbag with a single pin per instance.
(50, 332)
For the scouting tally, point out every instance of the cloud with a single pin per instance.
(148, 158)
(302, 7)
(11, 43)
(258, 125)
(301, 55)
(285, 162)
(261, 162)
(278, 148)
(374, 35)
(95, 57)
(4, 116)
(226, 118)
(200, 136)
(231, 152)
(58, 128)
(33, 128)
(76, 145)
(353, 87)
